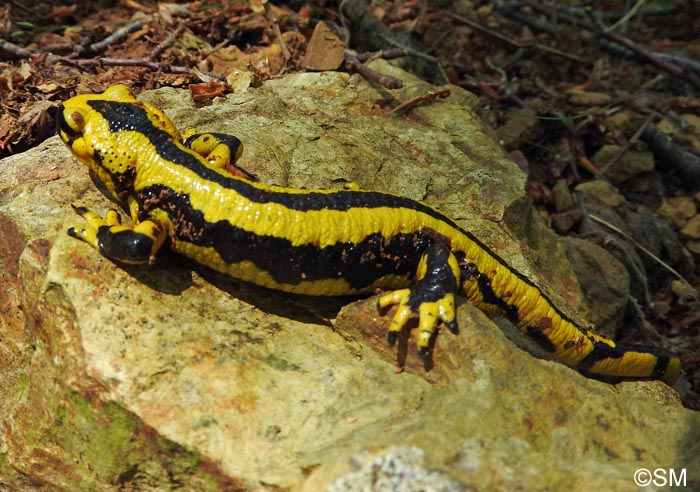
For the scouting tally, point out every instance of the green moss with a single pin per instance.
(9, 477)
(107, 445)
(20, 387)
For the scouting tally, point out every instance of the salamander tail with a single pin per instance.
(631, 361)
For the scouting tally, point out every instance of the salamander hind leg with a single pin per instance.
(431, 298)
(132, 245)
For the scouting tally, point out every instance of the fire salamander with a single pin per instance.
(314, 242)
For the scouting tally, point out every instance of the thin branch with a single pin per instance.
(21, 6)
(385, 54)
(172, 37)
(542, 47)
(616, 38)
(406, 106)
(685, 62)
(632, 12)
(15, 50)
(627, 145)
(484, 29)
(278, 33)
(641, 248)
(115, 37)
(138, 62)
(413, 52)
(353, 63)
(685, 164)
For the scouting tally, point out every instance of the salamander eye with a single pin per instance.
(69, 126)
(78, 121)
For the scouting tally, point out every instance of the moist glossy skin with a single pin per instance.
(314, 242)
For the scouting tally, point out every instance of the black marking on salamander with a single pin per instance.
(360, 264)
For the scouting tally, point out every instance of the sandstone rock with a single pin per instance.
(685, 205)
(600, 192)
(684, 291)
(617, 122)
(631, 163)
(172, 377)
(693, 246)
(691, 229)
(673, 215)
(563, 201)
(563, 222)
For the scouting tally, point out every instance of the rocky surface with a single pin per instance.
(175, 378)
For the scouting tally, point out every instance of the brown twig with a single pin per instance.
(385, 54)
(628, 15)
(414, 52)
(475, 25)
(406, 106)
(680, 60)
(627, 145)
(685, 164)
(515, 11)
(172, 37)
(588, 165)
(641, 248)
(21, 5)
(132, 4)
(543, 47)
(278, 33)
(15, 50)
(616, 38)
(138, 62)
(116, 36)
(353, 63)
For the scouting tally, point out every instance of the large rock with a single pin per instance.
(172, 377)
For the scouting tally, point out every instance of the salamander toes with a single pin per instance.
(413, 304)
(453, 327)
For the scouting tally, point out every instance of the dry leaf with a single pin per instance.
(591, 99)
(206, 91)
(325, 50)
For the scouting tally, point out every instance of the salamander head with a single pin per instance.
(89, 136)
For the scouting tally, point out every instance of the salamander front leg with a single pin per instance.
(221, 151)
(431, 298)
(132, 245)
